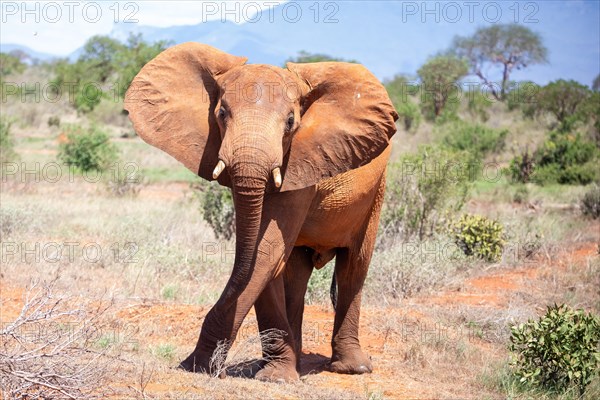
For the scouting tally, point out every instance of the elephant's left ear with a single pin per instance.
(348, 120)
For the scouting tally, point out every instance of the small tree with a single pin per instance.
(439, 77)
(564, 100)
(98, 54)
(508, 46)
(133, 56)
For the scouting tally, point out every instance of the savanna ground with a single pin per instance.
(128, 279)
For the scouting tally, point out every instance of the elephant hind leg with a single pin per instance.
(351, 268)
(297, 272)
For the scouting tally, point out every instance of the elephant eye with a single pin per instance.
(221, 113)
(290, 122)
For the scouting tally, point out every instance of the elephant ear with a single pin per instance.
(348, 120)
(171, 103)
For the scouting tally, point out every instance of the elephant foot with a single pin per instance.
(278, 372)
(195, 363)
(351, 362)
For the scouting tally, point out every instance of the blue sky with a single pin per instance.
(389, 37)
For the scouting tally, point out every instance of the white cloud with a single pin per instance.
(162, 13)
(60, 27)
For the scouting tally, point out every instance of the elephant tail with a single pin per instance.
(333, 291)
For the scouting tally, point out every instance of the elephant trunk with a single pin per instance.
(249, 183)
(249, 172)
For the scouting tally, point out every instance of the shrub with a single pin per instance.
(478, 105)
(409, 115)
(319, 285)
(422, 189)
(521, 194)
(399, 90)
(558, 351)
(523, 96)
(7, 152)
(87, 149)
(54, 121)
(590, 203)
(521, 167)
(11, 63)
(479, 236)
(478, 140)
(216, 204)
(566, 159)
(124, 181)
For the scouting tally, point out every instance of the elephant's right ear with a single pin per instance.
(171, 103)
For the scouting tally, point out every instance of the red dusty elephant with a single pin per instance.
(304, 150)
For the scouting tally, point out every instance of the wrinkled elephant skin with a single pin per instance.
(304, 150)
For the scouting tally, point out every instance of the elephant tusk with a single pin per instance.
(218, 169)
(277, 177)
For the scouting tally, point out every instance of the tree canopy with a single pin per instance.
(10, 63)
(565, 100)
(508, 46)
(439, 76)
(306, 57)
(105, 61)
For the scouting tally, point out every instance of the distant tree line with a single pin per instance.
(105, 68)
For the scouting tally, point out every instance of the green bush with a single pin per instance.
(478, 105)
(104, 69)
(319, 285)
(87, 149)
(476, 139)
(521, 167)
(523, 96)
(566, 159)
(590, 203)
(54, 121)
(11, 63)
(422, 190)
(216, 204)
(558, 351)
(7, 152)
(399, 89)
(479, 236)
(409, 115)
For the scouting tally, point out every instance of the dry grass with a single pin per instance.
(426, 322)
(49, 349)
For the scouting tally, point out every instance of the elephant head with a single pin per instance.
(259, 128)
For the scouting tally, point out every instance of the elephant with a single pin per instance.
(304, 150)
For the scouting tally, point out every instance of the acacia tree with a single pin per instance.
(508, 46)
(439, 77)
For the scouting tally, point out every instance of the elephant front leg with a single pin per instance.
(282, 217)
(276, 335)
